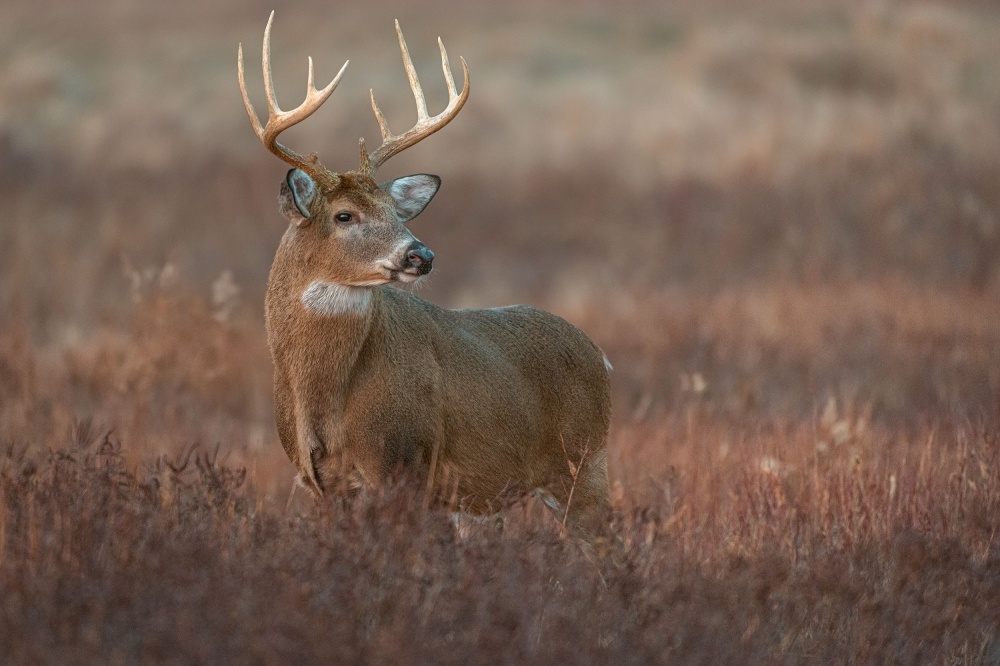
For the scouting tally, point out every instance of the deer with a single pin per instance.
(370, 378)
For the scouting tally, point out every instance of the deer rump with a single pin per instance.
(479, 399)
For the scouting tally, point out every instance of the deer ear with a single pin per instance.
(412, 194)
(297, 194)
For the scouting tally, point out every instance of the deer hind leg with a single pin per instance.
(588, 509)
(581, 503)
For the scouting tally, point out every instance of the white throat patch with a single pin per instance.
(327, 298)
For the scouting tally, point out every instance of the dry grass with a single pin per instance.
(783, 226)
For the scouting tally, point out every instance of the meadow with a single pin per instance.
(781, 223)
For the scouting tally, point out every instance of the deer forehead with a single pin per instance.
(359, 193)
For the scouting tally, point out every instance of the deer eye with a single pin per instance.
(344, 217)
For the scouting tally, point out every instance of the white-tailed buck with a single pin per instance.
(369, 377)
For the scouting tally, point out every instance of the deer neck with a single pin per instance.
(316, 328)
(331, 300)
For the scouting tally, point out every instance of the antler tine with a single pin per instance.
(426, 125)
(446, 66)
(254, 120)
(279, 120)
(411, 75)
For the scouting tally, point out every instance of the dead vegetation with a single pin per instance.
(787, 245)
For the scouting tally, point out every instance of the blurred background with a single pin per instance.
(779, 215)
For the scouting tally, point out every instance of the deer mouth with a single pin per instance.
(393, 273)
(406, 275)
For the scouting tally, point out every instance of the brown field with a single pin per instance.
(782, 224)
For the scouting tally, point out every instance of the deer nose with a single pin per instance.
(419, 256)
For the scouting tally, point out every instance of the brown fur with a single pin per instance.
(479, 400)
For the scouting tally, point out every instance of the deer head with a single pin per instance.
(353, 231)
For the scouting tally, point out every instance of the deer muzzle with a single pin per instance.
(418, 259)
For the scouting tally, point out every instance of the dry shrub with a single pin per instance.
(180, 560)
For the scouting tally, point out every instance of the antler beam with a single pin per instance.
(278, 120)
(426, 124)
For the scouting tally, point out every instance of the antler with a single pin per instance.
(278, 120)
(426, 125)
